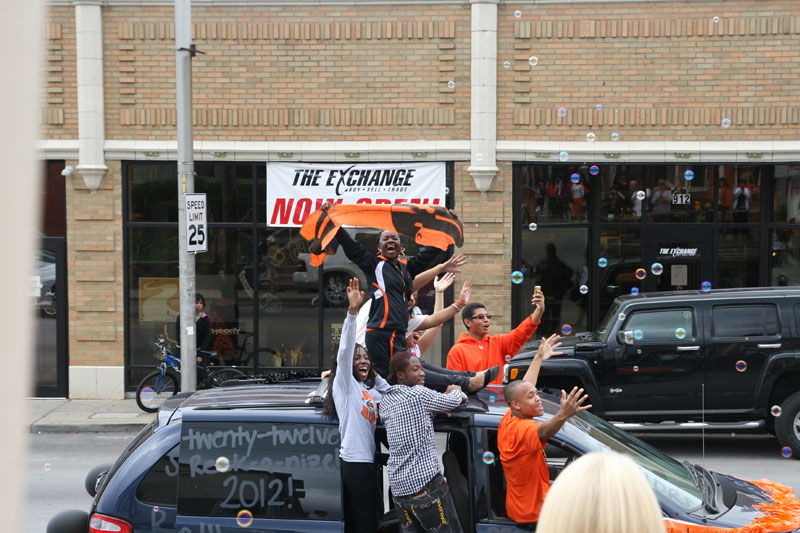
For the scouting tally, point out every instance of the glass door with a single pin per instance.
(48, 291)
(677, 258)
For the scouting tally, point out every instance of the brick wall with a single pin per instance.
(95, 270)
(661, 71)
(59, 118)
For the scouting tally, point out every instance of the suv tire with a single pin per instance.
(787, 425)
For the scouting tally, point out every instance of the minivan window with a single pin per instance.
(160, 485)
(272, 470)
(745, 320)
(666, 325)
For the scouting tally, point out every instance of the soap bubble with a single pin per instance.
(680, 333)
(705, 286)
(599, 107)
(583, 289)
(155, 508)
(508, 358)
(635, 368)
(213, 154)
(479, 157)
(726, 123)
(621, 316)
(634, 290)
(532, 226)
(640, 195)
(563, 156)
(615, 136)
(447, 190)
(517, 277)
(533, 61)
(688, 175)
(640, 273)
(594, 170)
(47, 467)
(488, 458)
(517, 13)
(786, 452)
(590, 137)
(147, 395)
(776, 410)
(715, 19)
(451, 84)
(741, 366)
(492, 398)
(244, 518)
(566, 329)
(562, 112)
(222, 464)
(575, 178)
(657, 269)
(506, 64)
(638, 334)
(602, 262)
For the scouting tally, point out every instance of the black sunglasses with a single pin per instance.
(481, 317)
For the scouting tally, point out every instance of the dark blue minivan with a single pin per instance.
(263, 457)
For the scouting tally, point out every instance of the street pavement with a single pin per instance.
(81, 416)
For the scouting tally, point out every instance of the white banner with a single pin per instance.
(295, 190)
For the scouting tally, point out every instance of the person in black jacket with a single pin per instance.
(202, 328)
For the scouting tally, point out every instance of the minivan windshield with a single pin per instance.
(668, 478)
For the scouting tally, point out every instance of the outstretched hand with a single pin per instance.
(548, 346)
(537, 300)
(354, 296)
(455, 263)
(572, 404)
(466, 291)
(440, 284)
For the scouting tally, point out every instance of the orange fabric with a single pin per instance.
(478, 355)
(525, 467)
(783, 514)
(429, 225)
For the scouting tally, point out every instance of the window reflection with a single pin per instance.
(621, 249)
(787, 194)
(554, 193)
(785, 257)
(739, 193)
(556, 259)
(737, 257)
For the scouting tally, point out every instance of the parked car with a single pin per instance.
(338, 269)
(730, 358)
(264, 456)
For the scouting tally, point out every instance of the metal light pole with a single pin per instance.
(184, 51)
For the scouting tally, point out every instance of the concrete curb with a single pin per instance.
(47, 427)
(86, 416)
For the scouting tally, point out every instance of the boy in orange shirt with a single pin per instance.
(521, 440)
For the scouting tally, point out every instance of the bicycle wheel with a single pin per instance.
(220, 376)
(154, 389)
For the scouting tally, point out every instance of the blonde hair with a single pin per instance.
(601, 493)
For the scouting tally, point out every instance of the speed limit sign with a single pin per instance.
(196, 227)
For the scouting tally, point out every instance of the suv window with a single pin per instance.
(745, 320)
(662, 325)
(160, 485)
(274, 470)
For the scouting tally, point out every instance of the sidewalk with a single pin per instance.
(91, 416)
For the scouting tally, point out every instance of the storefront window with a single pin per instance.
(555, 194)
(739, 193)
(152, 192)
(737, 257)
(785, 257)
(619, 257)
(231, 185)
(787, 194)
(557, 260)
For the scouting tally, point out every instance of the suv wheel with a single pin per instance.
(787, 425)
(336, 290)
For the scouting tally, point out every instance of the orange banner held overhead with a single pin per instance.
(783, 514)
(428, 225)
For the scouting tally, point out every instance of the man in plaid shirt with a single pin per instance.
(421, 497)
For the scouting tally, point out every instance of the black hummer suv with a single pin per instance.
(730, 358)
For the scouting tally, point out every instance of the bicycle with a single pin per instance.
(160, 384)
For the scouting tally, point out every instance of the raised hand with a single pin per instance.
(537, 300)
(572, 404)
(548, 346)
(354, 296)
(440, 284)
(466, 292)
(454, 263)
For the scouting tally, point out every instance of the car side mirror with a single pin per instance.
(625, 337)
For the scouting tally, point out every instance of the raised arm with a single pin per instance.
(546, 351)
(344, 381)
(440, 285)
(453, 264)
(440, 317)
(570, 406)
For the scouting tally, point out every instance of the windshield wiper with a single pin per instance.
(698, 474)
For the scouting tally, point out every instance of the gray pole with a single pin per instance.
(183, 102)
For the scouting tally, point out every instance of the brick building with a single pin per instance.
(581, 140)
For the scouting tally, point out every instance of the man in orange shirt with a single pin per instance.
(521, 440)
(476, 350)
